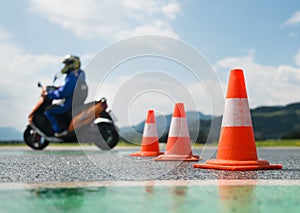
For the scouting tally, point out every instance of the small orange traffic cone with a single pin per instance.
(150, 145)
(178, 144)
(237, 149)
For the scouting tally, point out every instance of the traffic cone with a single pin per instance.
(237, 149)
(150, 145)
(178, 144)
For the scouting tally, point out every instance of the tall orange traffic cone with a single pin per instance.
(150, 145)
(178, 144)
(237, 149)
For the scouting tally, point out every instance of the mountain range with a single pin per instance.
(10, 134)
(269, 122)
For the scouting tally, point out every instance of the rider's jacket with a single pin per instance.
(67, 90)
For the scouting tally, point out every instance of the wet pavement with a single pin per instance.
(86, 179)
(153, 197)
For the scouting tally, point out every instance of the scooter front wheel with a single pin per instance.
(109, 135)
(34, 140)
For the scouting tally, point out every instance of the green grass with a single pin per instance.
(271, 143)
(265, 143)
(9, 143)
(124, 143)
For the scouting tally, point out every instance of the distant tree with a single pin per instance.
(164, 137)
(292, 135)
(201, 137)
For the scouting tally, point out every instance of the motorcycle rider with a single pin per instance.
(74, 76)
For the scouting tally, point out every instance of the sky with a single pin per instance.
(260, 37)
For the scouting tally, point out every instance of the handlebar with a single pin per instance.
(48, 88)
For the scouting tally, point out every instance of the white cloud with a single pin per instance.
(171, 10)
(294, 19)
(4, 35)
(266, 85)
(19, 74)
(158, 27)
(130, 96)
(110, 19)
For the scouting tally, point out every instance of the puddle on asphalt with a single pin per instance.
(151, 197)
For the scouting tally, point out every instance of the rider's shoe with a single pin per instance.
(61, 134)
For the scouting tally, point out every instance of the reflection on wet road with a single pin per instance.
(149, 196)
(75, 180)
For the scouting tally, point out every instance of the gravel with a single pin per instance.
(69, 164)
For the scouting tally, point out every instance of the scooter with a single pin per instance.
(89, 123)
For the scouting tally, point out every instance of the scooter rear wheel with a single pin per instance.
(34, 140)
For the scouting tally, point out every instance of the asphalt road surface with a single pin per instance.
(85, 164)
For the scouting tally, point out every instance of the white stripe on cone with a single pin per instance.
(178, 127)
(150, 130)
(236, 113)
